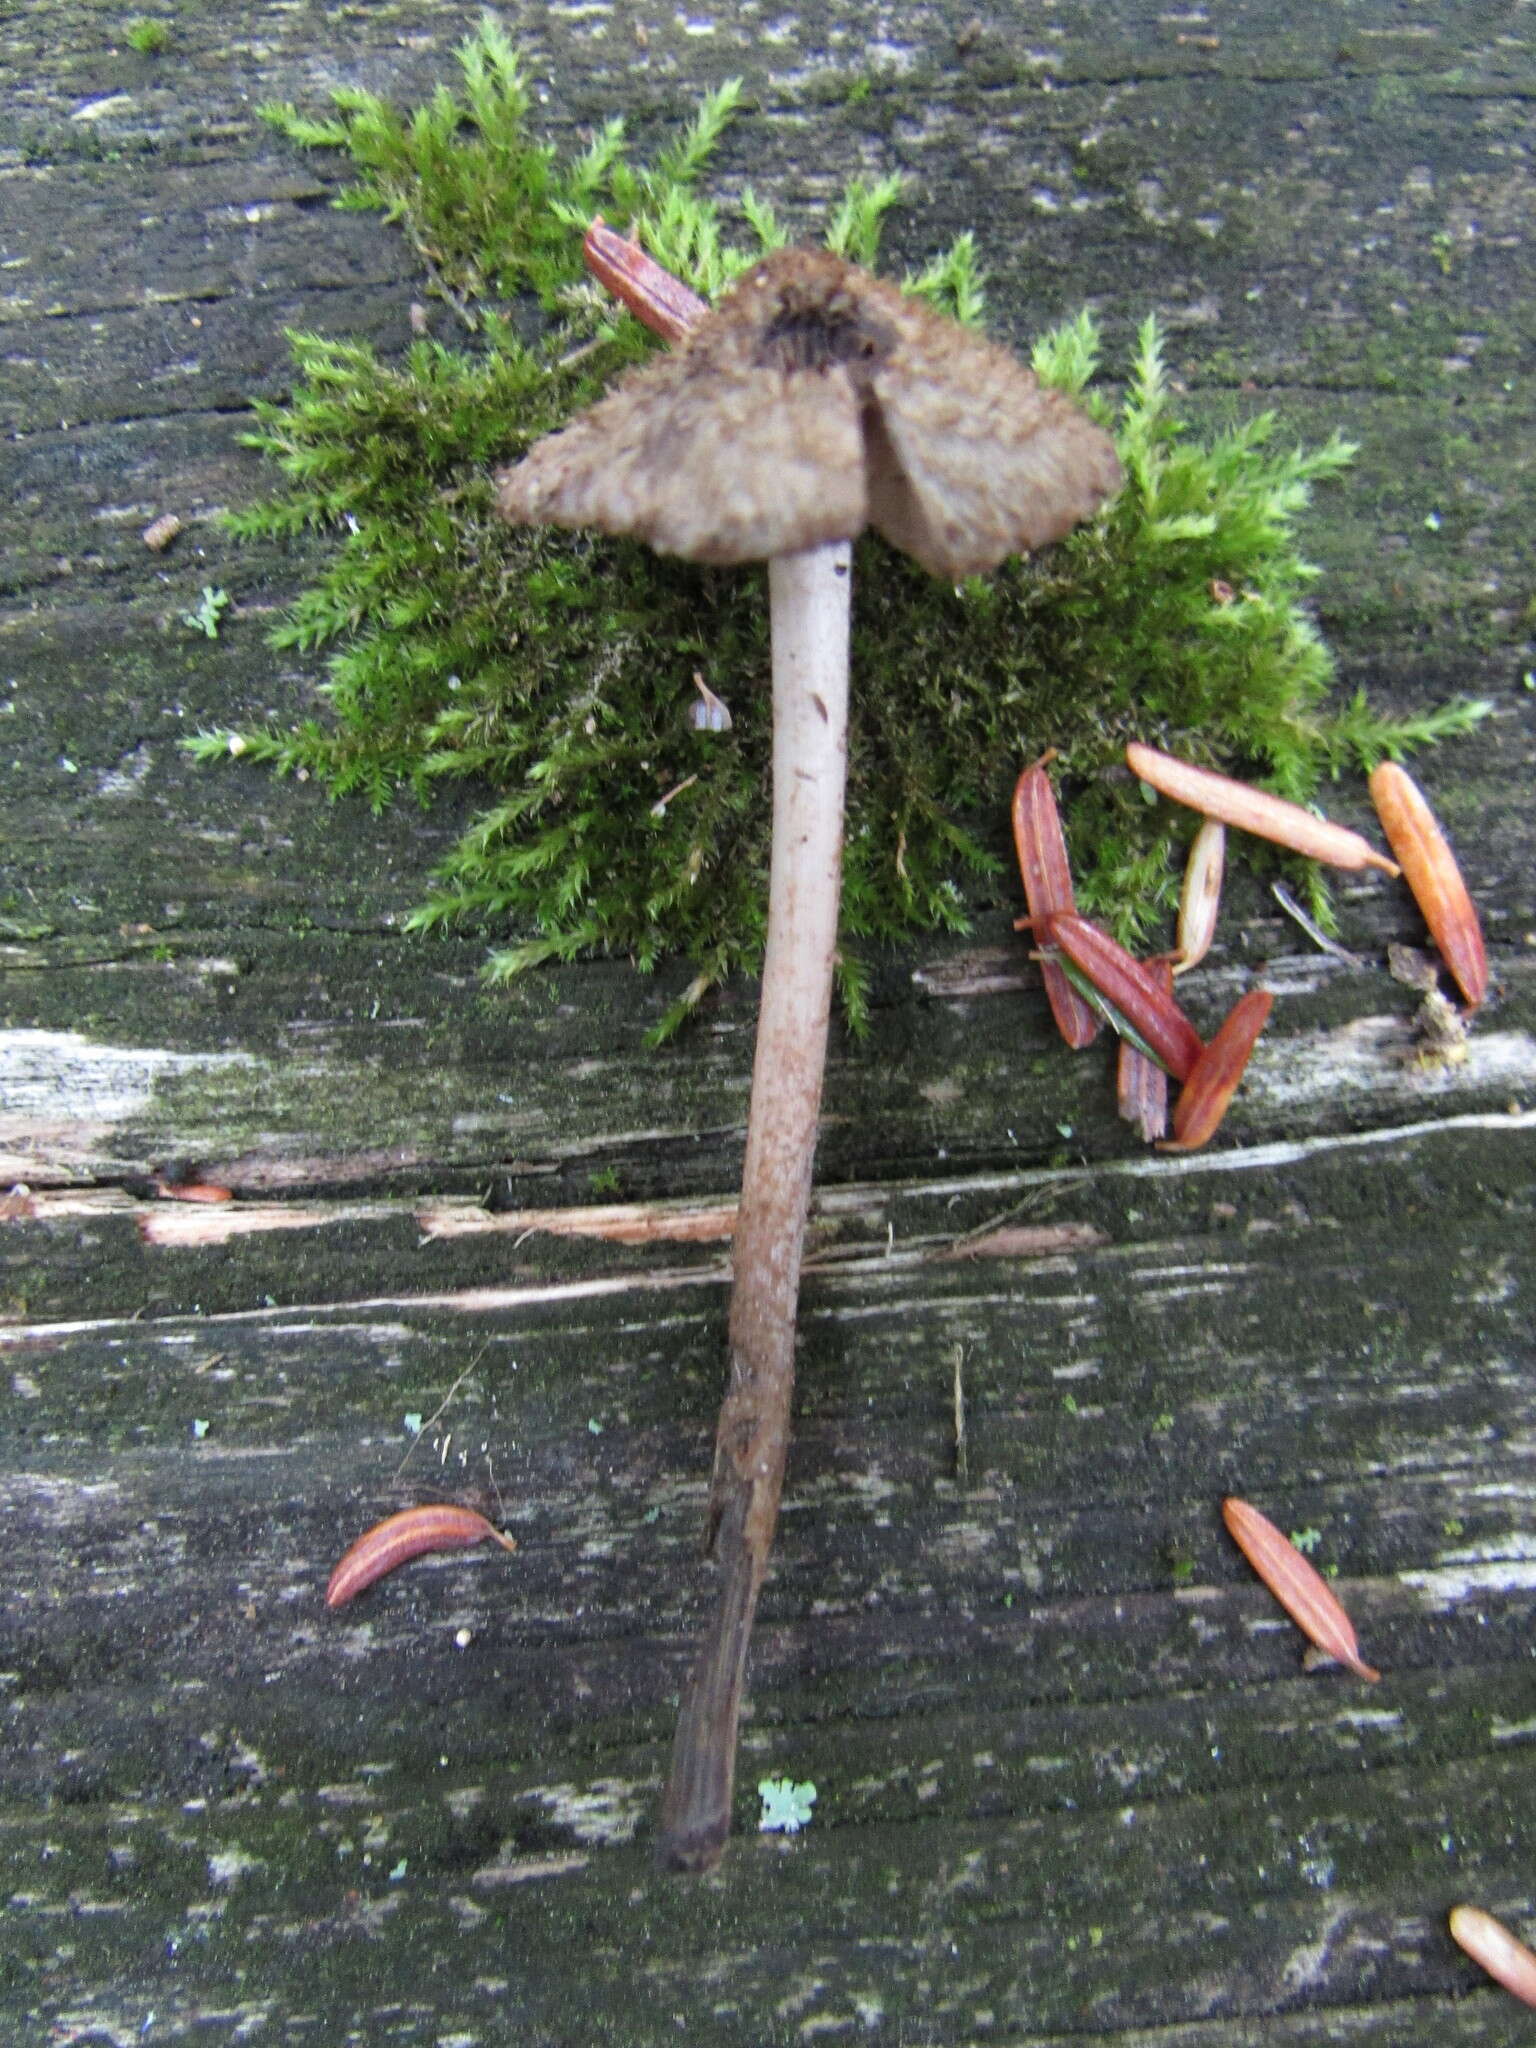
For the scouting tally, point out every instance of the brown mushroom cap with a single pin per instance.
(814, 401)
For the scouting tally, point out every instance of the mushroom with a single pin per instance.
(813, 402)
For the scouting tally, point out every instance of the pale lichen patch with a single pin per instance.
(604, 1813)
(227, 1866)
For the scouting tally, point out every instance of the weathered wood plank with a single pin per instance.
(1073, 1783)
(1051, 1708)
(948, 1085)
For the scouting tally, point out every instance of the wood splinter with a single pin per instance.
(815, 401)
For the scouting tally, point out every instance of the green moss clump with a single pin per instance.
(558, 671)
(149, 37)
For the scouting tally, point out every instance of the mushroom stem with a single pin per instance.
(809, 606)
(813, 402)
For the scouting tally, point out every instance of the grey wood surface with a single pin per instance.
(1073, 1780)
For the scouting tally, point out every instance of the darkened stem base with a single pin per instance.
(809, 596)
(696, 1808)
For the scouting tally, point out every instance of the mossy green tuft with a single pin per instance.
(557, 671)
(151, 38)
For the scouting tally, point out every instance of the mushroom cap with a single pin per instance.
(813, 401)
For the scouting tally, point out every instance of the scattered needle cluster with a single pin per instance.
(1090, 978)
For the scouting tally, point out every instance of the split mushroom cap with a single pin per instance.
(814, 401)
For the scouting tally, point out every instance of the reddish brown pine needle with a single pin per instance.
(1301, 1590)
(1206, 1095)
(1141, 1084)
(1254, 810)
(1130, 987)
(193, 1191)
(1489, 1942)
(1042, 850)
(657, 299)
(399, 1538)
(1430, 870)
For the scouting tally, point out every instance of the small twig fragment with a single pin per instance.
(1430, 870)
(1200, 898)
(1254, 810)
(438, 1412)
(1206, 1095)
(1301, 1590)
(399, 1538)
(659, 808)
(1489, 1942)
(1135, 1001)
(657, 299)
(1042, 850)
(1311, 927)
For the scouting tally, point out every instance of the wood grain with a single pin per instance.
(1072, 1782)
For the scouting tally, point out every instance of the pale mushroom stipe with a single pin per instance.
(815, 401)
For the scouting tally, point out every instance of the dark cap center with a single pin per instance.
(806, 336)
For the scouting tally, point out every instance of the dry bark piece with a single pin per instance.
(1042, 850)
(398, 1538)
(815, 401)
(1301, 1590)
(1133, 991)
(159, 533)
(1413, 969)
(1207, 1094)
(1023, 1241)
(1430, 870)
(1254, 810)
(1200, 897)
(1489, 1942)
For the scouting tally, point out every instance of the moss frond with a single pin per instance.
(1068, 357)
(954, 281)
(857, 222)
